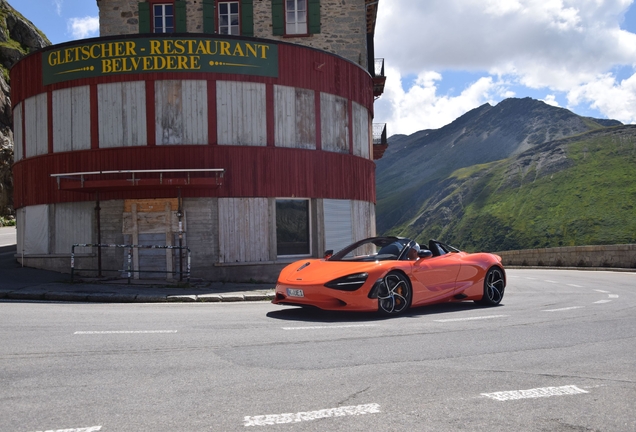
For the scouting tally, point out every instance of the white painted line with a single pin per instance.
(601, 291)
(612, 296)
(550, 281)
(529, 278)
(602, 301)
(535, 393)
(273, 419)
(124, 332)
(563, 309)
(85, 429)
(329, 327)
(471, 318)
(575, 285)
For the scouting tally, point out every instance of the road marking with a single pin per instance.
(563, 309)
(612, 296)
(85, 429)
(529, 278)
(329, 327)
(550, 281)
(124, 332)
(272, 419)
(575, 285)
(535, 393)
(602, 301)
(601, 291)
(471, 318)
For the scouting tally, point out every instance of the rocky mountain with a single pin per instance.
(18, 37)
(483, 135)
(433, 183)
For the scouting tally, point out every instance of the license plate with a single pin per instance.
(295, 292)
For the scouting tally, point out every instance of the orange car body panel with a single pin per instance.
(455, 276)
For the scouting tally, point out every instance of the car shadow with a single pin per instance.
(315, 315)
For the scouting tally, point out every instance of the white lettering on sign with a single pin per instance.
(535, 393)
(273, 419)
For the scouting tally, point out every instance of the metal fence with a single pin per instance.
(129, 270)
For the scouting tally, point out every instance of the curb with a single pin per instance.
(84, 297)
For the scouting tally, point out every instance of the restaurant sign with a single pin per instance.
(151, 55)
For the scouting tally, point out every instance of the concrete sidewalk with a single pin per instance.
(24, 283)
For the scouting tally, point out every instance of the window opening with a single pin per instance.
(296, 17)
(229, 22)
(292, 227)
(163, 18)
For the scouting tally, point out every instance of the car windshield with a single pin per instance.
(373, 249)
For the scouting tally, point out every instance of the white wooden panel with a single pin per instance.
(73, 224)
(243, 230)
(241, 113)
(168, 112)
(363, 220)
(36, 229)
(195, 111)
(334, 120)
(338, 226)
(71, 119)
(17, 133)
(122, 114)
(361, 140)
(295, 117)
(36, 121)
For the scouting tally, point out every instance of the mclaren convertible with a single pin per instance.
(391, 275)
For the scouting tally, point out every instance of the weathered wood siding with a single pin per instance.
(363, 217)
(295, 117)
(241, 113)
(18, 137)
(243, 230)
(338, 225)
(181, 113)
(334, 122)
(36, 229)
(122, 114)
(361, 140)
(36, 132)
(203, 228)
(73, 225)
(71, 119)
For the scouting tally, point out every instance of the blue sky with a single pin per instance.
(446, 57)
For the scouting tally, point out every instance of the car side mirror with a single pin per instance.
(424, 253)
(328, 253)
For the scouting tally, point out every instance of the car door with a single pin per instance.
(437, 276)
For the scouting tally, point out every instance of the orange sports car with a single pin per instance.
(390, 275)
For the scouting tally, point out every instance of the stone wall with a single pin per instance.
(343, 24)
(611, 256)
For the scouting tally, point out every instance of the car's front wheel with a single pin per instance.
(494, 286)
(395, 294)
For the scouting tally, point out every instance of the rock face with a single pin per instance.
(18, 37)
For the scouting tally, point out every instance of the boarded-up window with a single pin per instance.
(334, 120)
(181, 112)
(71, 119)
(295, 117)
(241, 113)
(338, 227)
(243, 230)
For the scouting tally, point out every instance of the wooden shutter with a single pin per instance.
(181, 24)
(278, 18)
(209, 16)
(247, 17)
(314, 16)
(144, 17)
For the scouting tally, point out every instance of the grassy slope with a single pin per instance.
(591, 202)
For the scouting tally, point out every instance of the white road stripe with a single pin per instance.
(535, 393)
(529, 278)
(563, 309)
(471, 318)
(550, 281)
(602, 301)
(575, 285)
(612, 296)
(124, 332)
(601, 291)
(329, 327)
(272, 419)
(84, 429)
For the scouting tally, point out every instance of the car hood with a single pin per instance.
(313, 271)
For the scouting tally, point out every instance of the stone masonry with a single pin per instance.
(611, 256)
(343, 24)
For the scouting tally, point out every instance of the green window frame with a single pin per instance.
(278, 18)
(146, 15)
(246, 13)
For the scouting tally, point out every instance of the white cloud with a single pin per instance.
(81, 28)
(563, 46)
(551, 100)
(58, 6)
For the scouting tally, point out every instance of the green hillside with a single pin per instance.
(574, 191)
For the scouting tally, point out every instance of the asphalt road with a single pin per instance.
(558, 355)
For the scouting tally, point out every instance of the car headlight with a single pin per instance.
(348, 283)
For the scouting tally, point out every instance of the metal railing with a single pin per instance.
(379, 134)
(129, 270)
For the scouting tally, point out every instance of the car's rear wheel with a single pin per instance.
(395, 294)
(494, 286)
